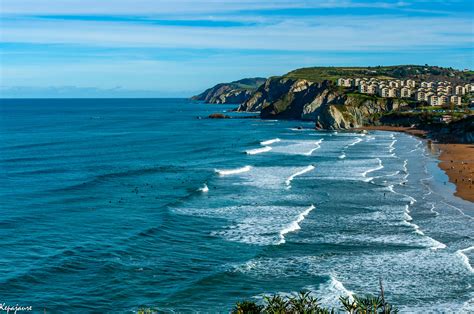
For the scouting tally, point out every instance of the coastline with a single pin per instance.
(454, 159)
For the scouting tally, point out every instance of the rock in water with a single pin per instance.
(218, 116)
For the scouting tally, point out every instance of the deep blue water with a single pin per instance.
(110, 205)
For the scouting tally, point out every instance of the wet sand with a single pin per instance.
(457, 160)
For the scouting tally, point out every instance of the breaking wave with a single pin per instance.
(294, 225)
(270, 142)
(307, 169)
(226, 172)
(258, 150)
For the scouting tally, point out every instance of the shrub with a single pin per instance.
(304, 303)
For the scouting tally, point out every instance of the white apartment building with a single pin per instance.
(404, 92)
(433, 100)
(456, 100)
(459, 90)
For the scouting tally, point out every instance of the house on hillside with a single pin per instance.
(456, 100)
(459, 90)
(433, 100)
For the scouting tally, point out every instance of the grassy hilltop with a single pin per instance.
(417, 72)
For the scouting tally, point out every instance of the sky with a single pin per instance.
(177, 48)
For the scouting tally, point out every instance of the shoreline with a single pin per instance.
(456, 160)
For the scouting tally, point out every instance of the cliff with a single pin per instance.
(461, 131)
(235, 92)
(329, 106)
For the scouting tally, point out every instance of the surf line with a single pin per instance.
(204, 188)
(294, 225)
(270, 142)
(318, 145)
(225, 172)
(258, 150)
(303, 171)
(464, 257)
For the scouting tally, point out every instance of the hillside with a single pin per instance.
(416, 72)
(235, 92)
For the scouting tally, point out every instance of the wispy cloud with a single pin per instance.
(110, 43)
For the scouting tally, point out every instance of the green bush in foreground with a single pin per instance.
(304, 303)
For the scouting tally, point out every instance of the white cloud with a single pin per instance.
(174, 6)
(309, 34)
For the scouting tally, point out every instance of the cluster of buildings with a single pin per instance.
(434, 93)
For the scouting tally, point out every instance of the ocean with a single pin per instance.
(116, 204)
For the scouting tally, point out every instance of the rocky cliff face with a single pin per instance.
(461, 131)
(286, 98)
(230, 93)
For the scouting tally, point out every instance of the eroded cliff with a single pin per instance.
(330, 107)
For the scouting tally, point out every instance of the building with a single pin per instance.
(456, 100)
(433, 100)
(443, 90)
(443, 119)
(404, 92)
(344, 82)
(371, 89)
(420, 96)
(387, 92)
(363, 89)
(459, 90)
(393, 84)
(410, 83)
(443, 100)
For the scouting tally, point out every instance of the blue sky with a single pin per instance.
(175, 48)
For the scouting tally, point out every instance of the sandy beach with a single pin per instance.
(457, 160)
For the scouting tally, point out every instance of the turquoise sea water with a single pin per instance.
(109, 205)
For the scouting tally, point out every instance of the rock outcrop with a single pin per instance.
(461, 131)
(230, 93)
(322, 102)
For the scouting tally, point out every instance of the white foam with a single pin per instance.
(433, 207)
(340, 287)
(225, 172)
(464, 257)
(294, 225)
(380, 166)
(204, 188)
(435, 244)
(318, 145)
(391, 148)
(342, 156)
(356, 141)
(459, 210)
(270, 142)
(303, 171)
(258, 150)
